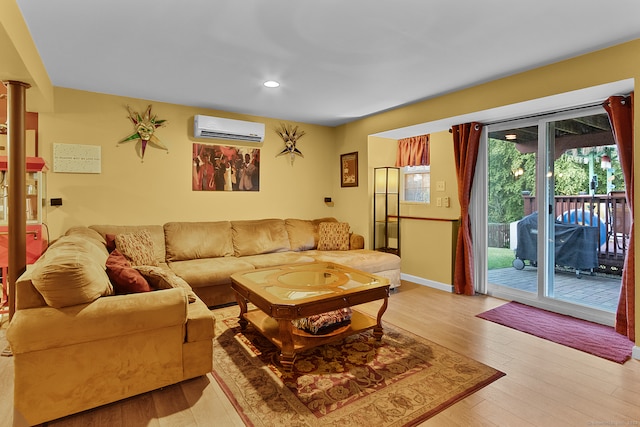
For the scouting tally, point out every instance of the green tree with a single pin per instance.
(570, 177)
(505, 198)
(505, 191)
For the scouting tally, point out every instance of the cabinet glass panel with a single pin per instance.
(34, 191)
(4, 190)
(386, 210)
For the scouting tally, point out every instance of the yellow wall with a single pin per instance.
(427, 236)
(129, 191)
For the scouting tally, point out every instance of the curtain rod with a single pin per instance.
(547, 113)
(543, 114)
(551, 112)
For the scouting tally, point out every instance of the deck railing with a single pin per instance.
(608, 212)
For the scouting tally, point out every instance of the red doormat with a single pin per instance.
(592, 338)
(399, 381)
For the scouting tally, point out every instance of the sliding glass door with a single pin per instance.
(552, 213)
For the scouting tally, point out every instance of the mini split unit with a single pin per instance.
(219, 128)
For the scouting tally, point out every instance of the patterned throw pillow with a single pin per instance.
(137, 247)
(333, 236)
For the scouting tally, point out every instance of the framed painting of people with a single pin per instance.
(225, 168)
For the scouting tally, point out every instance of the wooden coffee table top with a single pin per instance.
(293, 291)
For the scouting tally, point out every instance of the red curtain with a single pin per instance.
(466, 143)
(620, 111)
(413, 151)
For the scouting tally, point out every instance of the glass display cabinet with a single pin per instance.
(386, 210)
(35, 193)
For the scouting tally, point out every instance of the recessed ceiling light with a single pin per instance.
(271, 83)
(511, 136)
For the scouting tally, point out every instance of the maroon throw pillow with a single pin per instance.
(125, 279)
(111, 242)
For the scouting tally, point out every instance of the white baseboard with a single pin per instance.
(635, 353)
(426, 282)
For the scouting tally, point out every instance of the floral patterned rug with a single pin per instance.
(399, 381)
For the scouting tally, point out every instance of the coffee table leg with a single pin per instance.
(287, 354)
(243, 310)
(377, 330)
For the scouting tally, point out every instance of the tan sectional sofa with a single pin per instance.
(206, 254)
(69, 358)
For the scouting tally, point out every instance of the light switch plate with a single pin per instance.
(440, 186)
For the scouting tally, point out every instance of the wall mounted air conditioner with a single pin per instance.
(219, 128)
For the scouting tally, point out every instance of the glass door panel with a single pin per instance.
(511, 197)
(584, 171)
(557, 228)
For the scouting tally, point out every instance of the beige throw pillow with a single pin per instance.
(160, 278)
(137, 247)
(333, 236)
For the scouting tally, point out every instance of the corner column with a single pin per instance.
(17, 206)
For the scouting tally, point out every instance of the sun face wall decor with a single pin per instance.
(290, 135)
(145, 126)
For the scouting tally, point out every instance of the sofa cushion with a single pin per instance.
(362, 259)
(71, 272)
(333, 236)
(137, 247)
(125, 279)
(193, 240)
(85, 232)
(303, 233)
(209, 271)
(97, 252)
(253, 237)
(161, 278)
(275, 259)
(104, 318)
(200, 322)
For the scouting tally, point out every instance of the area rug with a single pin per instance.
(401, 380)
(592, 338)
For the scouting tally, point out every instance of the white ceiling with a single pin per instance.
(337, 61)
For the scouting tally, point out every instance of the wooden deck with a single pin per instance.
(598, 291)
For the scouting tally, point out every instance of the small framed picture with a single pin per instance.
(349, 170)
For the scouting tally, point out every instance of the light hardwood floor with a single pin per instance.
(546, 384)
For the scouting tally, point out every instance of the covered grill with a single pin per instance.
(576, 246)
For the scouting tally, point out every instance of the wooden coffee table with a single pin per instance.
(282, 294)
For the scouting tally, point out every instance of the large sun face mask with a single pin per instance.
(145, 126)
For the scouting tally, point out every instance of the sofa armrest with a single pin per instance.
(356, 241)
(47, 327)
(27, 296)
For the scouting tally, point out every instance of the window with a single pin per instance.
(416, 184)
